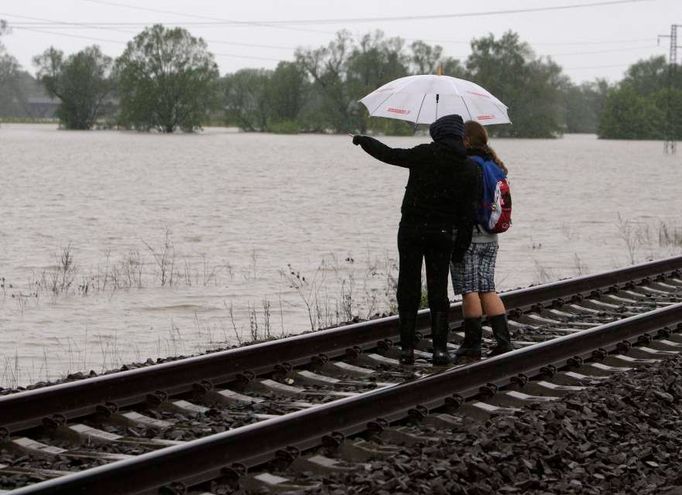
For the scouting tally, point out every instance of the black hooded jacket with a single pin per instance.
(443, 186)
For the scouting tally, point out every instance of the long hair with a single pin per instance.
(477, 136)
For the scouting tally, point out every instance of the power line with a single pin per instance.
(69, 25)
(553, 43)
(614, 50)
(230, 55)
(32, 26)
(52, 24)
(352, 20)
(446, 16)
(110, 26)
(89, 38)
(250, 45)
(594, 52)
(215, 20)
(597, 67)
(103, 25)
(456, 15)
(604, 42)
(253, 57)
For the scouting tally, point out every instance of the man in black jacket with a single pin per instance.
(439, 201)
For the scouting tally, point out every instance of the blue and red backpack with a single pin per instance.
(494, 212)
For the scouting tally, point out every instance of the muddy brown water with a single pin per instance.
(183, 243)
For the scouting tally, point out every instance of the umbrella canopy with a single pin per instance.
(422, 99)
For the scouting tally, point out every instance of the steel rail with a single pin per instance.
(26, 409)
(253, 444)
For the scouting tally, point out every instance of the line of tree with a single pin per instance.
(646, 104)
(15, 84)
(9, 69)
(167, 80)
(81, 82)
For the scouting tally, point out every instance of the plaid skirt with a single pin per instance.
(476, 271)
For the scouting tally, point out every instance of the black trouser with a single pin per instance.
(432, 242)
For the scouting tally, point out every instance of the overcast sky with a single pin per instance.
(588, 38)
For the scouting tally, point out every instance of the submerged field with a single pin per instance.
(118, 247)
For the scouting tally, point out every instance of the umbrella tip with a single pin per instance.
(439, 71)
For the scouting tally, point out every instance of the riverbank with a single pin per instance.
(180, 244)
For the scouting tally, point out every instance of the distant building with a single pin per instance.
(42, 107)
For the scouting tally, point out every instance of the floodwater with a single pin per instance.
(117, 247)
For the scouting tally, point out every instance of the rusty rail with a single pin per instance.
(26, 409)
(203, 459)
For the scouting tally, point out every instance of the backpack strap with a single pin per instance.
(482, 161)
(478, 159)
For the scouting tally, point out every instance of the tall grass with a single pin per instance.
(639, 237)
(669, 235)
(335, 292)
(161, 268)
(634, 235)
(338, 290)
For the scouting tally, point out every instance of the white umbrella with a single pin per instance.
(422, 99)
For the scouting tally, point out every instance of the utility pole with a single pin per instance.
(670, 145)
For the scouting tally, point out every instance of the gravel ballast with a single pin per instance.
(620, 436)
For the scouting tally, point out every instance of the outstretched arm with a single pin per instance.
(393, 156)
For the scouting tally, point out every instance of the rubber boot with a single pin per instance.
(407, 325)
(439, 335)
(501, 334)
(470, 348)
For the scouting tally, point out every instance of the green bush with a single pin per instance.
(285, 127)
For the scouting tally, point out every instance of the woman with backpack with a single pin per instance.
(439, 197)
(473, 276)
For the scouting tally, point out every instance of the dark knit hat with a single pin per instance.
(447, 126)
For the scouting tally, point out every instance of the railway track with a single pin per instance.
(213, 417)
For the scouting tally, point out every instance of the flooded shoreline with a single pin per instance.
(182, 243)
